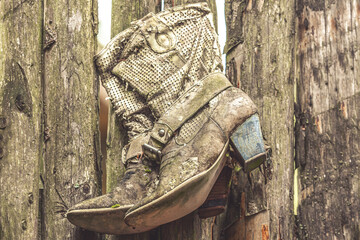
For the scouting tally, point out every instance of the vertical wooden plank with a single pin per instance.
(211, 5)
(122, 14)
(190, 227)
(20, 117)
(71, 154)
(125, 11)
(278, 115)
(327, 119)
(260, 52)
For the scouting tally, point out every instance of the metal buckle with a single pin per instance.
(151, 152)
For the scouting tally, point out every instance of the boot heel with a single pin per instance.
(217, 198)
(247, 142)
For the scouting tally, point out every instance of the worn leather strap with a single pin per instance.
(187, 105)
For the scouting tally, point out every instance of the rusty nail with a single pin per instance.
(86, 188)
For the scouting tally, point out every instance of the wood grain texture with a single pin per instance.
(327, 119)
(123, 12)
(260, 61)
(211, 5)
(70, 87)
(20, 118)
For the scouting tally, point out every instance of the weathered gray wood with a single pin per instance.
(123, 12)
(71, 153)
(234, 13)
(327, 119)
(261, 62)
(211, 5)
(20, 118)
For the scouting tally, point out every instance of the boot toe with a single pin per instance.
(104, 201)
(102, 220)
(102, 214)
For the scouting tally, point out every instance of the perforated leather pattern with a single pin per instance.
(109, 56)
(145, 71)
(125, 102)
(191, 127)
(149, 66)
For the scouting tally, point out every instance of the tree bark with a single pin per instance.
(260, 60)
(327, 119)
(71, 151)
(20, 118)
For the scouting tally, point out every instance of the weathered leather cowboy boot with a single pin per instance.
(216, 201)
(144, 69)
(162, 75)
(105, 214)
(193, 158)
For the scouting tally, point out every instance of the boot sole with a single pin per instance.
(104, 220)
(217, 199)
(180, 201)
(245, 137)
